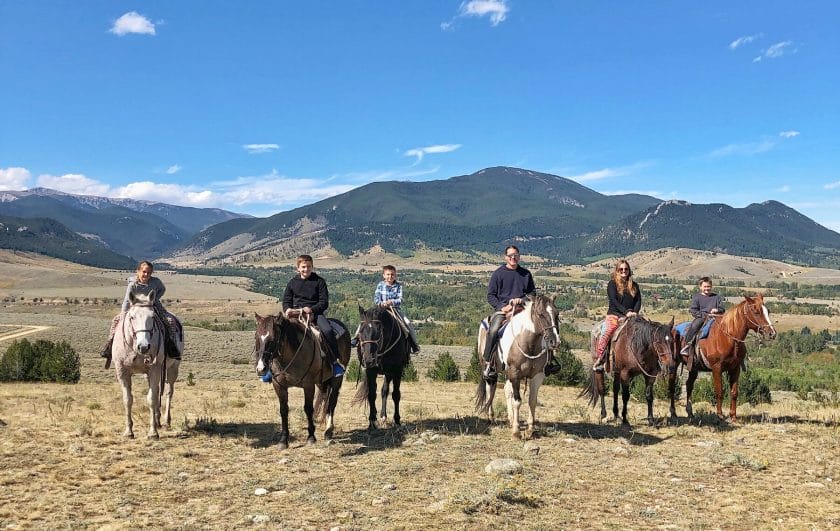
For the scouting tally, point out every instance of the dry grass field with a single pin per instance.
(65, 464)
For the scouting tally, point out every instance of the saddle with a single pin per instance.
(315, 332)
(703, 333)
(485, 323)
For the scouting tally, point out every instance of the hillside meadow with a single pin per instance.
(65, 463)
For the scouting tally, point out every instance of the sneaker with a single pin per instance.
(599, 366)
(354, 342)
(338, 370)
(266, 377)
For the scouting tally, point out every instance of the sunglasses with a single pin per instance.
(513, 255)
(623, 269)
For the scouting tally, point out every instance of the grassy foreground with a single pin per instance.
(64, 464)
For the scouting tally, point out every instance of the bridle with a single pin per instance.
(543, 327)
(268, 353)
(379, 341)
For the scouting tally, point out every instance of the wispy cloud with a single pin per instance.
(783, 189)
(746, 39)
(14, 178)
(172, 170)
(132, 22)
(606, 173)
(775, 51)
(832, 186)
(789, 134)
(747, 148)
(260, 148)
(74, 183)
(277, 190)
(174, 194)
(495, 10)
(655, 193)
(422, 151)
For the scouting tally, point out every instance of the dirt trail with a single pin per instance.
(28, 329)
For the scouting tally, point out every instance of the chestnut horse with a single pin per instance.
(383, 349)
(524, 349)
(644, 347)
(724, 350)
(293, 356)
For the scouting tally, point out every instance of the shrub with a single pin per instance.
(753, 388)
(660, 389)
(444, 369)
(353, 372)
(42, 361)
(571, 372)
(474, 370)
(409, 373)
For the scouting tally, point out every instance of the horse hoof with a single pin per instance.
(310, 440)
(129, 434)
(328, 434)
(529, 435)
(152, 436)
(282, 445)
(516, 436)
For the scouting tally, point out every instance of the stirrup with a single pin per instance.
(599, 365)
(552, 367)
(489, 371)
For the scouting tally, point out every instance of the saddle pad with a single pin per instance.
(337, 328)
(485, 324)
(704, 330)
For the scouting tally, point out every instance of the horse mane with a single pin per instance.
(642, 336)
(290, 331)
(734, 318)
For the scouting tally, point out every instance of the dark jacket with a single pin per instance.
(506, 284)
(310, 292)
(621, 304)
(701, 305)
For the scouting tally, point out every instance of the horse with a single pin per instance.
(138, 348)
(289, 350)
(643, 347)
(724, 350)
(383, 349)
(525, 348)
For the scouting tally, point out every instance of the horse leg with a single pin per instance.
(734, 375)
(649, 399)
(309, 409)
(396, 394)
(386, 387)
(672, 392)
(689, 387)
(491, 396)
(128, 401)
(717, 376)
(283, 401)
(534, 388)
(171, 378)
(601, 389)
(616, 383)
(370, 375)
(625, 397)
(153, 399)
(330, 390)
(514, 401)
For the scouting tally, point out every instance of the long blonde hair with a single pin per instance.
(620, 284)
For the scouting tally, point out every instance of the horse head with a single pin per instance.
(266, 338)
(546, 320)
(141, 321)
(758, 316)
(665, 345)
(370, 336)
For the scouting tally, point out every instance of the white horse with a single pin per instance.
(138, 349)
(524, 350)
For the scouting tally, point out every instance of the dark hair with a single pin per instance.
(389, 268)
(704, 279)
(145, 262)
(303, 258)
(509, 247)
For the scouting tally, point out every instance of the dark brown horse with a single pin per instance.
(643, 347)
(383, 349)
(724, 350)
(287, 348)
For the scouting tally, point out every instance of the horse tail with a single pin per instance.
(481, 396)
(590, 390)
(322, 400)
(361, 390)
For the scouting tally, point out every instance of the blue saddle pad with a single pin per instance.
(485, 324)
(704, 331)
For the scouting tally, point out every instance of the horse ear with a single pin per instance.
(257, 316)
(672, 322)
(132, 298)
(152, 295)
(361, 312)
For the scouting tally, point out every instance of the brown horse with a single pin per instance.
(288, 350)
(724, 350)
(524, 350)
(643, 347)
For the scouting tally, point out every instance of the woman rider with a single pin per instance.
(144, 284)
(625, 300)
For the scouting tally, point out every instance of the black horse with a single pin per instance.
(383, 349)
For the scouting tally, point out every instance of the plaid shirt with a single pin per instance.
(384, 292)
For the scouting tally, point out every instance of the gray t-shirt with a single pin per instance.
(134, 286)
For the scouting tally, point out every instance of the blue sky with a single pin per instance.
(260, 107)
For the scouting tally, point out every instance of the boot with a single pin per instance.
(489, 371)
(599, 362)
(106, 351)
(170, 348)
(552, 367)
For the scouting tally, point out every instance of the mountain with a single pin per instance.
(51, 238)
(551, 216)
(141, 229)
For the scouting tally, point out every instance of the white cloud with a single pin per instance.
(174, 194)
(775, 51)
(748, 148)
(496, 10)
(440, 148)
(175, 168)
(14, 178)
(783, 189)
(278, 190)
(740, 41)
(132, 22)
(832, 186)
(606, 173)
(74, 183)
(254, 149)
(654, 193)
(789, 134)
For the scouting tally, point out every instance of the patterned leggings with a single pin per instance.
(604, 340)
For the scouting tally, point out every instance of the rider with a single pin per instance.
(144, 284)
(506, 290)
(703, 305)
(625, 300)
(306, 294)
(388, 294)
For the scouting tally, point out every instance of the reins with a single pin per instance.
(285, 370)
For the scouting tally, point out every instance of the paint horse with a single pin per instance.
(383, 349)
(293, 356)
(724, 350)
(640, 347)
(138, 349)
(526, 346)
